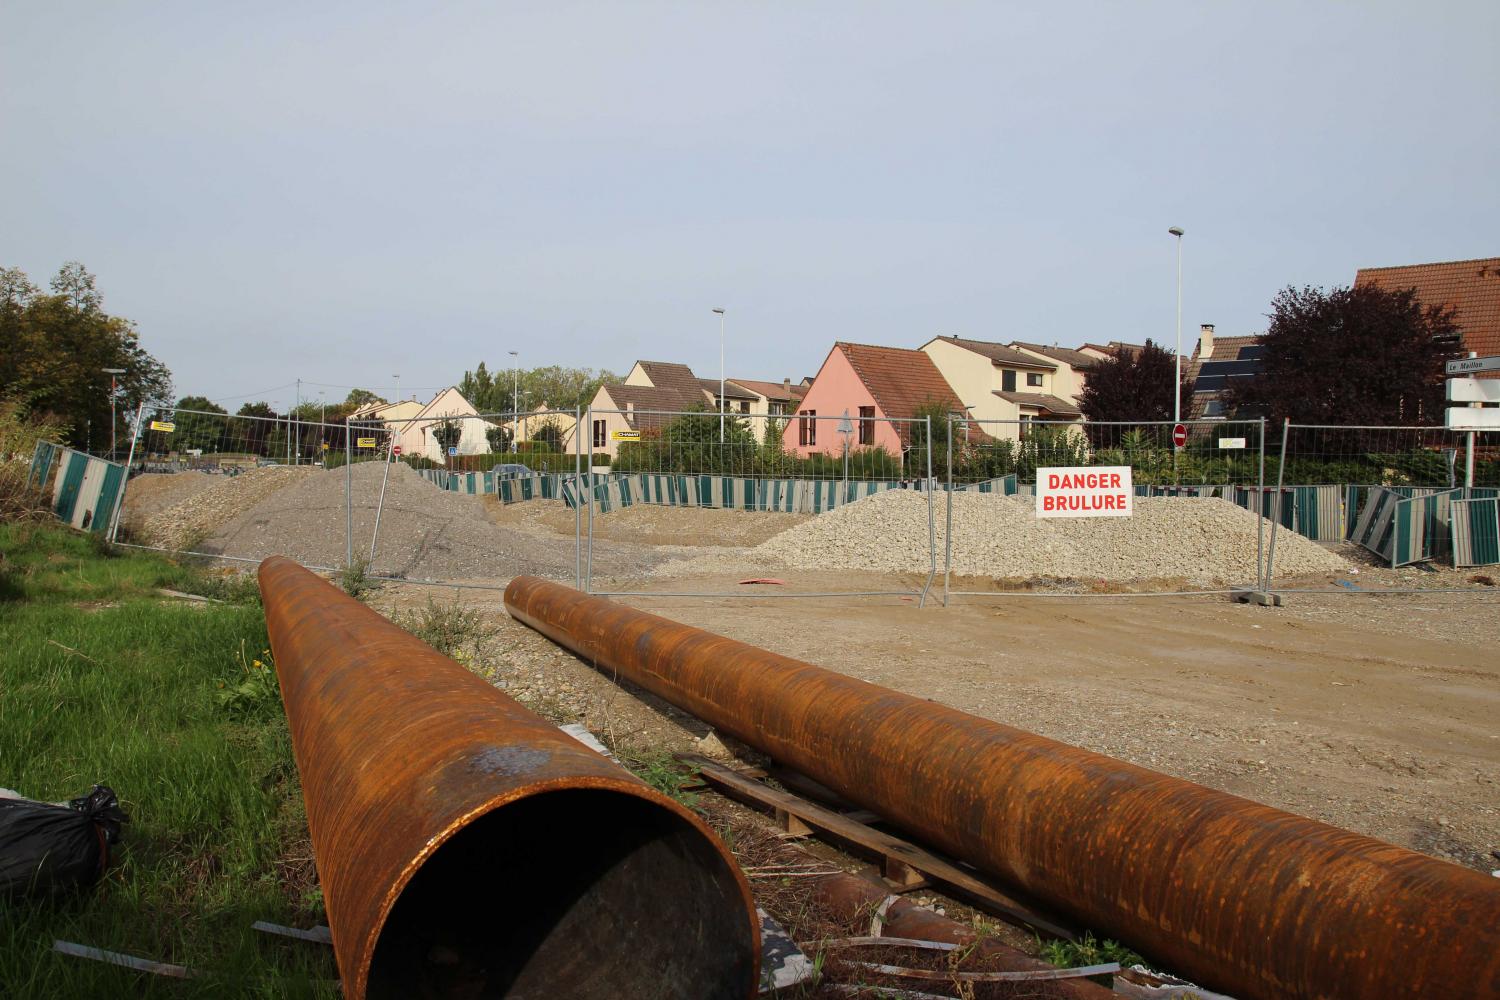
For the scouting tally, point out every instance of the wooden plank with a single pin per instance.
(889, 847)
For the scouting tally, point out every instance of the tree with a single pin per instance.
(359, 397)
(54, 347)
(447, 434)
(499, 438)
(549, 434)
(1137, 386)
(1359, 355)
(559, 387)
(195, 429)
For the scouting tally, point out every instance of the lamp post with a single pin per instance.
(397, 391)
(113, 388)
(721, 374)
(515, 385)
(1177, 357)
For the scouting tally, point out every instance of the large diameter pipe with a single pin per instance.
(467, 848)
(1233, 894)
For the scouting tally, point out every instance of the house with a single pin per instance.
(1470, 287)
(1214, 365)
(415, 424)
(1109, 350)
(876, 384)
(1004, 384)
(772, 399)
(1072, 367)
(544, 416)
(650, 392)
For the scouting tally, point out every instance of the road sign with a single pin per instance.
(1099, 491)
(1473, 418)
(163, 425)
(370, 443)
(452, 452)
(1179, 435)
(1464, 366)
(625, 435)
(396, 451)
(1474, 390)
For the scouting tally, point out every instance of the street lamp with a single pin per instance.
(113, 387)
(397, 392)
(515, 385)
(721, 374)
(1177, 368)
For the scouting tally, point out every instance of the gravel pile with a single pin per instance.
(1202, 541)
(203, 507)
(425, 533)
(151, 493)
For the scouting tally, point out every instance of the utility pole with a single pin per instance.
(1177, 231)
(113, 390)
(297, 451)
(515, 398)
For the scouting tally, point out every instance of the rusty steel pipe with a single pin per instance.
(468, 848)
(1239, 896)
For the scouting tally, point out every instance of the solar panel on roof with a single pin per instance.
(1229, 368)
(1252, 353)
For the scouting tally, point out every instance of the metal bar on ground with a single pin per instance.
(446, 816)
(1286, 429)
(123, 960)
(1260, 522)
(390, 459)
(948, 529)
(316, 935)
(1237, 895)
(928, 485)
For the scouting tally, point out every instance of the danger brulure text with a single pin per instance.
(1104, 491)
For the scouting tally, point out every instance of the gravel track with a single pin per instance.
(1197, 540)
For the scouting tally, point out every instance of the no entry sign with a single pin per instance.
(396, 451)
(1179, 435)
(1101, 491)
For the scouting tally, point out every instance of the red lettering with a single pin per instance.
(1109, 503)
(1052, 482)
(1114, 480)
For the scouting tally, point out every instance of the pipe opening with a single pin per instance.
(580, 893)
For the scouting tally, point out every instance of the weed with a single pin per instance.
(451, 629)
(1087, 951)
(254, 691)
(354, 578)
(665, 775)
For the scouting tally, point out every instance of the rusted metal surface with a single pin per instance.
(466, 847)
(1233, 894)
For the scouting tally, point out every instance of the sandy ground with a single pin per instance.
(648, 525)
(1378, 714)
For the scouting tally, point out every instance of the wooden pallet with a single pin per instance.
(904, 865)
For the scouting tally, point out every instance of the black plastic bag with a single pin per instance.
(45, 846)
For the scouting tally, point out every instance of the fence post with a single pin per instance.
(588, 563)
(577, 494)
(1469, 462)
(114, 525)
(1260, 522)
(348, 496)
(928, 484)
(1280, 480)
(948, 520)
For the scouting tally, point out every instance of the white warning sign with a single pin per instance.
(1099, 491)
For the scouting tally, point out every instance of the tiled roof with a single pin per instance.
(1130, 350)
(1472, 287)
(1042, 401)
(998, 353)
(1077, 359)
(1225, 349)
(649, 397)
(676, 379)
(772, 390)
(732, 389)
(901, 380)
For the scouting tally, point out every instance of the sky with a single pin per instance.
(344, 192)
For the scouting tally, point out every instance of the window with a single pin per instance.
(599, 435)
(1008, 380)
(1034, 379)
(744, 406)
(1213, 408)
(1026, 426)
(807, 428)
(775, 409)
(867, 425)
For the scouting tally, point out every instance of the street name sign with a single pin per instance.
(1474, 390)
(1097, 491)
(1464, 366)
(1473, 418)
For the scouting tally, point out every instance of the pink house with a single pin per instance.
(864, 381)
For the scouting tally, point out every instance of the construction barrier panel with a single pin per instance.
(84, 489)
(1475, 530)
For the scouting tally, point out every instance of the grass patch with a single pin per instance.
(104, 680)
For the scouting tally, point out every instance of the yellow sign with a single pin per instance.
(163, 425)
(325, 445)
(626, 435)
(366, 442)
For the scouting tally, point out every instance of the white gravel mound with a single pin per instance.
(1199, 540)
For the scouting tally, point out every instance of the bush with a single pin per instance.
(19, 434)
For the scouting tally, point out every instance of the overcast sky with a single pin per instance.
(340, 192)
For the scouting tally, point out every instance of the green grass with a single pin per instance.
(103, 680)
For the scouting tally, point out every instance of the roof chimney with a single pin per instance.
(1206, 340)
(786, 386)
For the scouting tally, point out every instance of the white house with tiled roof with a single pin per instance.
(1001, 383)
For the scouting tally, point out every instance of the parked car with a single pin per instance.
(512, 470)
